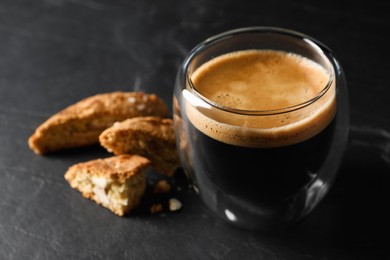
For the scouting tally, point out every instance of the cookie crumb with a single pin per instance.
(155, 208)
(174, 204)
(162, 187)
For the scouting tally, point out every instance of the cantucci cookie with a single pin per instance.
(151, 137)
(117, 183)
(81, 123)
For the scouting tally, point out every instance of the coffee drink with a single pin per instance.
(255, 132)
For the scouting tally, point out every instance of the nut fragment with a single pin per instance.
(174, 204)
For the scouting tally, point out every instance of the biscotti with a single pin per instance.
(81, 124)
(117, 183)
(151, 137)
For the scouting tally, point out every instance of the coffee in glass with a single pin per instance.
(261, 116)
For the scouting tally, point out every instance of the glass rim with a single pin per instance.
(320, 48)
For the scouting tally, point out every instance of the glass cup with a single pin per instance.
(260, 167)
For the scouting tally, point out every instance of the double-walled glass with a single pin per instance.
(261, 168)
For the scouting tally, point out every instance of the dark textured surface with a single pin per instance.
(56, 52)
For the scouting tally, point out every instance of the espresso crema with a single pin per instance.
(265, 81)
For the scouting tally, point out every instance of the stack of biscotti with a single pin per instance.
(82, 123)
(132, 125)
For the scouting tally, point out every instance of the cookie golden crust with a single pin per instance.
(117, 183)
(81, 124)
(151, 137)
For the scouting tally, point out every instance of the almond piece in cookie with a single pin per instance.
(117, 183)
(81, 124)
(151, 137)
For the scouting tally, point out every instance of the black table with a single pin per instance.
(56, 52)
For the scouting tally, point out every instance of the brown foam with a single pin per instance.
(261, 80)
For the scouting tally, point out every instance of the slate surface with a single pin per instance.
(56, 52)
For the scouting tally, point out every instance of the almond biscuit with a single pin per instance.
(81, 124)
(151, 137)
(117, 183)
